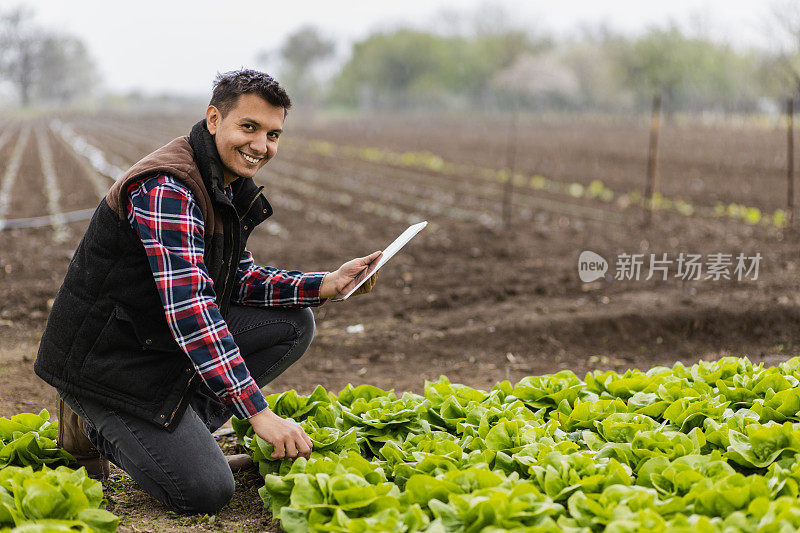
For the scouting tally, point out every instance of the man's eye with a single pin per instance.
(248, 127)
(273, 135)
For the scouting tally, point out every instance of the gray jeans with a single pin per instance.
(185, 469)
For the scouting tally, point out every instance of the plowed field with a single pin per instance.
(468, 297)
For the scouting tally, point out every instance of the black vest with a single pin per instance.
(107, 336)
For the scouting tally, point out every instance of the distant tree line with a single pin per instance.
(488, 61)
(510, 67)
(41, 65)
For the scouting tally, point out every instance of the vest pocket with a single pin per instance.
(132, 358)
(146, 333)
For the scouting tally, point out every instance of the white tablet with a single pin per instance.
(388, 253)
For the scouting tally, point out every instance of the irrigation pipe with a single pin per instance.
(47, 220)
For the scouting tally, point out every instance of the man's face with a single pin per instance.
(247, 137)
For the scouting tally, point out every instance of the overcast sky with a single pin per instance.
(177, 46)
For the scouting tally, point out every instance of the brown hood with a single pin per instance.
(175, 159)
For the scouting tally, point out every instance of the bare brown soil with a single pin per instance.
(702, 163)
(466, 298)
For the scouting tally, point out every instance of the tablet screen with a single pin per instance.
(388, 253)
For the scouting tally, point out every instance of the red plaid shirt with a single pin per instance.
(170, 224)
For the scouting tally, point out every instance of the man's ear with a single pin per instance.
(213, 118)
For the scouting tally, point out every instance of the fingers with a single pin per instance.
(367, 260)
(304, 447)
(291, 450)
(372, 280)
(354, 267)
(285, 435)
(368, 285)
(293, 446)
(280, 450)
(294, 450)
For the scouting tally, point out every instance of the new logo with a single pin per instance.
(591, 266)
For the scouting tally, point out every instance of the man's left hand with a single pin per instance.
(346, 275)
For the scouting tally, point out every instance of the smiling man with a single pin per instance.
(246, 135)
(164, 326)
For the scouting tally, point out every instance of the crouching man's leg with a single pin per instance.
(270, 341)
(185, 469)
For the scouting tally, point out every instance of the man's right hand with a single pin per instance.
(286, 436)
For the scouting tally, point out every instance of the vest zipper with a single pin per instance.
(225, 285)
(172, 415)
(253, 201)
(224, 296)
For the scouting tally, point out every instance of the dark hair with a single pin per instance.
(229, 86)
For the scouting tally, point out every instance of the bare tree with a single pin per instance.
(41, 64)
(18, 49)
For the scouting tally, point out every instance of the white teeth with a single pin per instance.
(250, 159)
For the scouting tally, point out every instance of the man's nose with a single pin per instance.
(259, 144)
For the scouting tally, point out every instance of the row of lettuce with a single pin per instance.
(34, 497)
(596, 190)
(711, 447)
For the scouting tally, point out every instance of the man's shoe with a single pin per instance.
(239, 462)
(72, 437)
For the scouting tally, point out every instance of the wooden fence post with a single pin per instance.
(790, 162)
(651, 186)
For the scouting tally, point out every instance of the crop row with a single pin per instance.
(309, 183)
(410, 193)
(445, 189)
(411, 200)
(713, 447)
(83, 147)
(285, 182)
(9, 177)
(34, 497)
(595, 191)
(53, 192)
(407, 197)
(287, 198)
(93, 161)
(119, 146)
